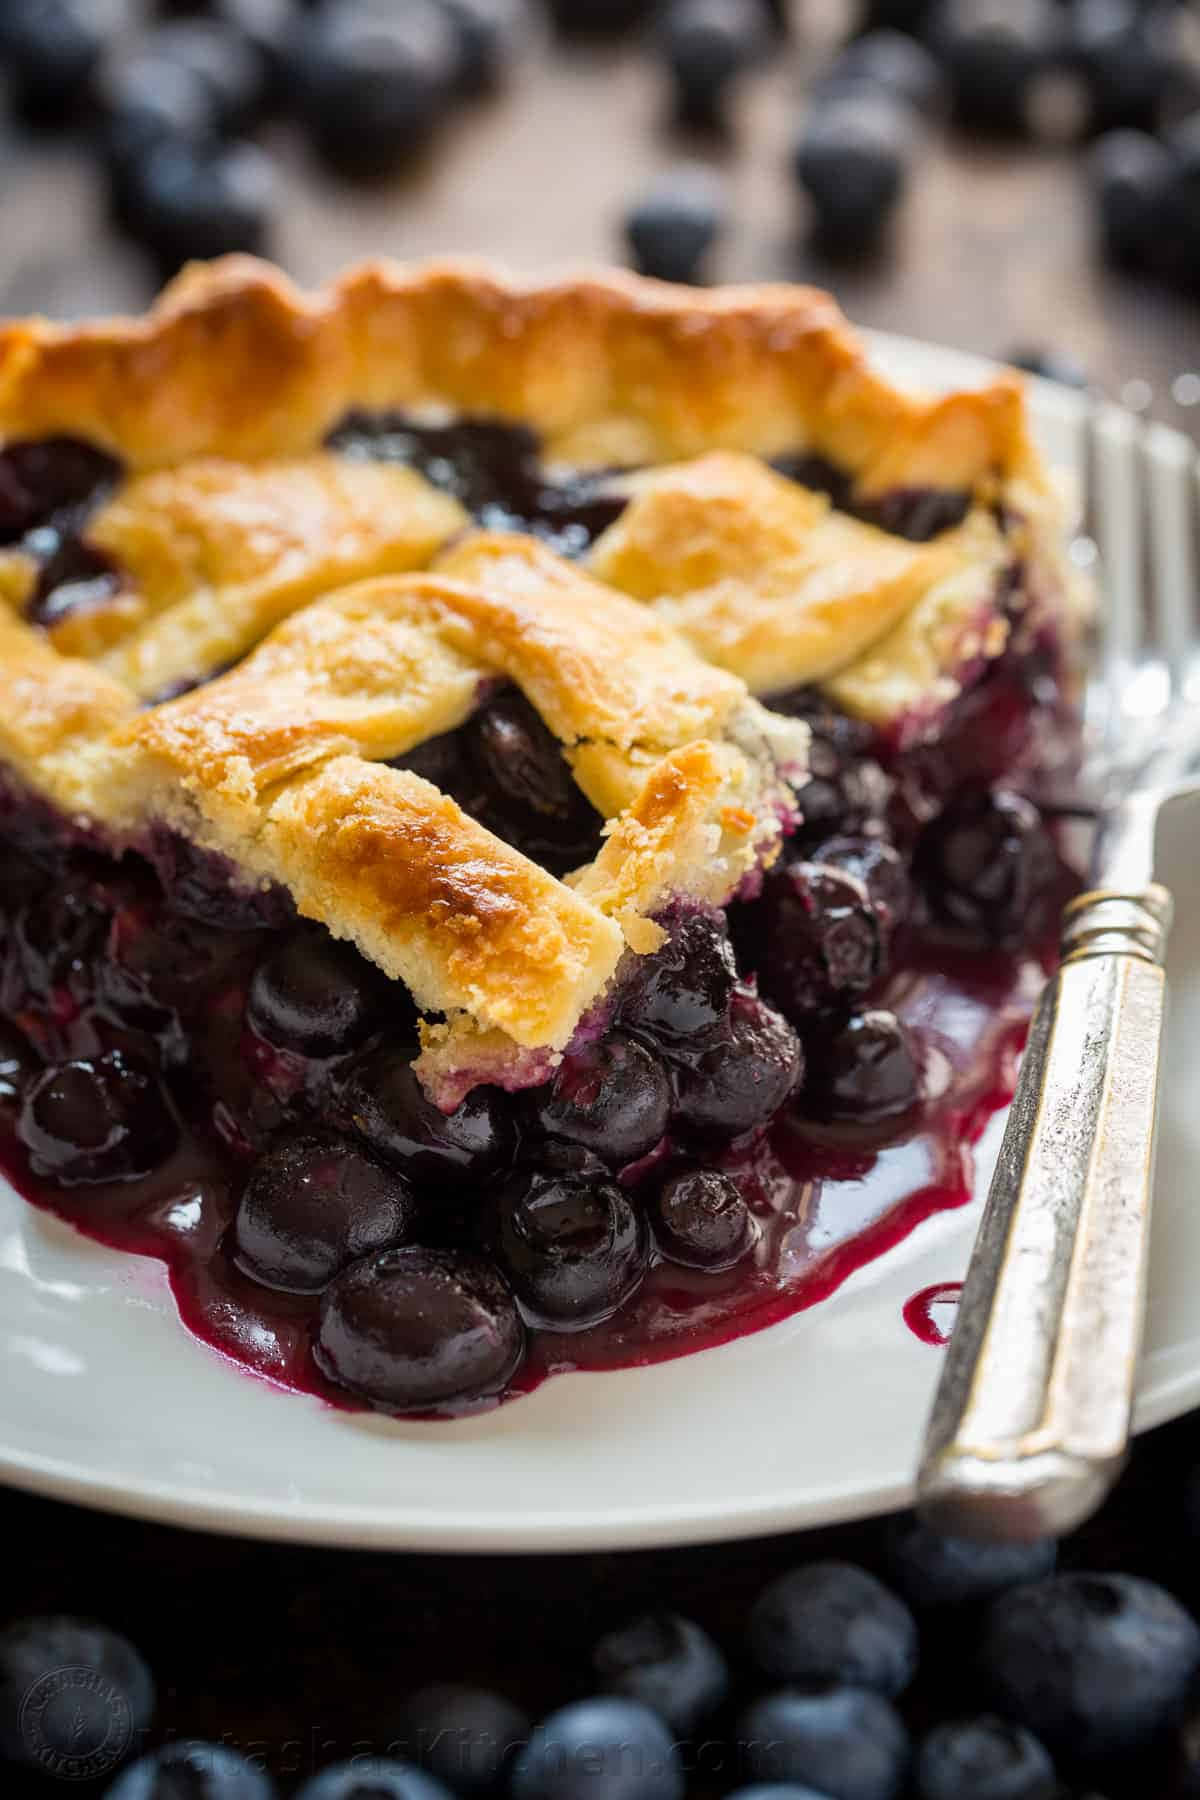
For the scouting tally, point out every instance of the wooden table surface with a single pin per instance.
(305, 1653)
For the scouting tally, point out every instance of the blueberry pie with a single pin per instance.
(522, 842)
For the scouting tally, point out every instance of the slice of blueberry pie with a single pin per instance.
(520, 808)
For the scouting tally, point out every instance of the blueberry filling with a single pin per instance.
(48, 489)
(914, 513)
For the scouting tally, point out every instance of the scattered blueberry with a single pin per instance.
(599, 1749)
(667, 1663)
(613, 1097)
(832, 1621)
(1094, 1665)
(933, 1571)
(706, 45)
(465, 1736)
(316, 994)
(1050, 365)
(78, 1716)
(987, 867)
(145, 101)
(892, 61)
(399, 1121)
(487, 31)
(987, 1758)
(1129, 172)
(50, 50)
(864, 1070)
(372, 1778)
(190, 1770)
(680, 995)
(573, 1247)
(852, 160)
(847, 1742)
(743, 1081)
(225, 62)
(701, 1220)
(313, 1203)
(409, 1329)
(102, 1118)
(372, 79)
(190, 199)
(674, 225)
(1125, 53)
(993, 52)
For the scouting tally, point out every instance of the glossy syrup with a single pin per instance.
(930, 1315)
(825, 1203)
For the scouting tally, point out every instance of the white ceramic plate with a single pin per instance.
(107, 1399)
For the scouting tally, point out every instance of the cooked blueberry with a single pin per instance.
(77, 1719)
(1094, 1665)
(45, 477)
(372, 1778)
(574, 1248)
(993, 51)
(465, 1736)
(1050, 365)
(847, 1742)
(411, 1328)
(675, 224)
(933, 1571)
(599, 1749)
(18, 1063)
(701, 1220)
(49, 49)
(845, 787)
(313, 1203)
(57, 935)
(987, 1758)
(878, 865)
(1129, 172)
(189, 1770)
(706, 44)
(820, 938)
(372, 79)
(744, 1079)
(1125, 53)
(851, 159)
(101, 1118)
(667, 1663)
(892, 61)
(397, 1118)
(861, 1071)
(680, 995)
(226, 62)
(613, 1097)
(487, 31)
(987, 867)
(196, 199)
(832, 1621)
(316, 994)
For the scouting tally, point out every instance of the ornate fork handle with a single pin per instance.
(1032, 1414)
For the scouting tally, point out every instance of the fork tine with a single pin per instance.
(1117, 522)
(1171, 466)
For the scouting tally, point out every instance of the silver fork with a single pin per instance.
(1031, 1420)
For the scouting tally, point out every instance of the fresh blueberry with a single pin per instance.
(190, 1770)
(680, 995)
(892, 61)
(933, 1571)
(741, 1082)
(675, 224)
(410, 1329)
(1125, 53)
(317, 995)
(487, 31)
(987, 867)
(987, 1758)
(574, 1248)
(102, 1118)
(195, 199)
(847, 1742)
(146, 101)
(701, 1220)
(993, 52)
(465, 1736)
(832, 1621)
(613, 1097)
(390, 1108)
(77, 1717)
(372, 79)
(599, 1749)
(852, 160)
(1050, 365)
(50, 50)
(312, 1204)
(230, 67)
(706, 45)
(667, 1663)
(1094, 1665)
(599, 18)
(911, 16)
(372, 1778)
(820, 939)
(1129, 173)
(861, 1071)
